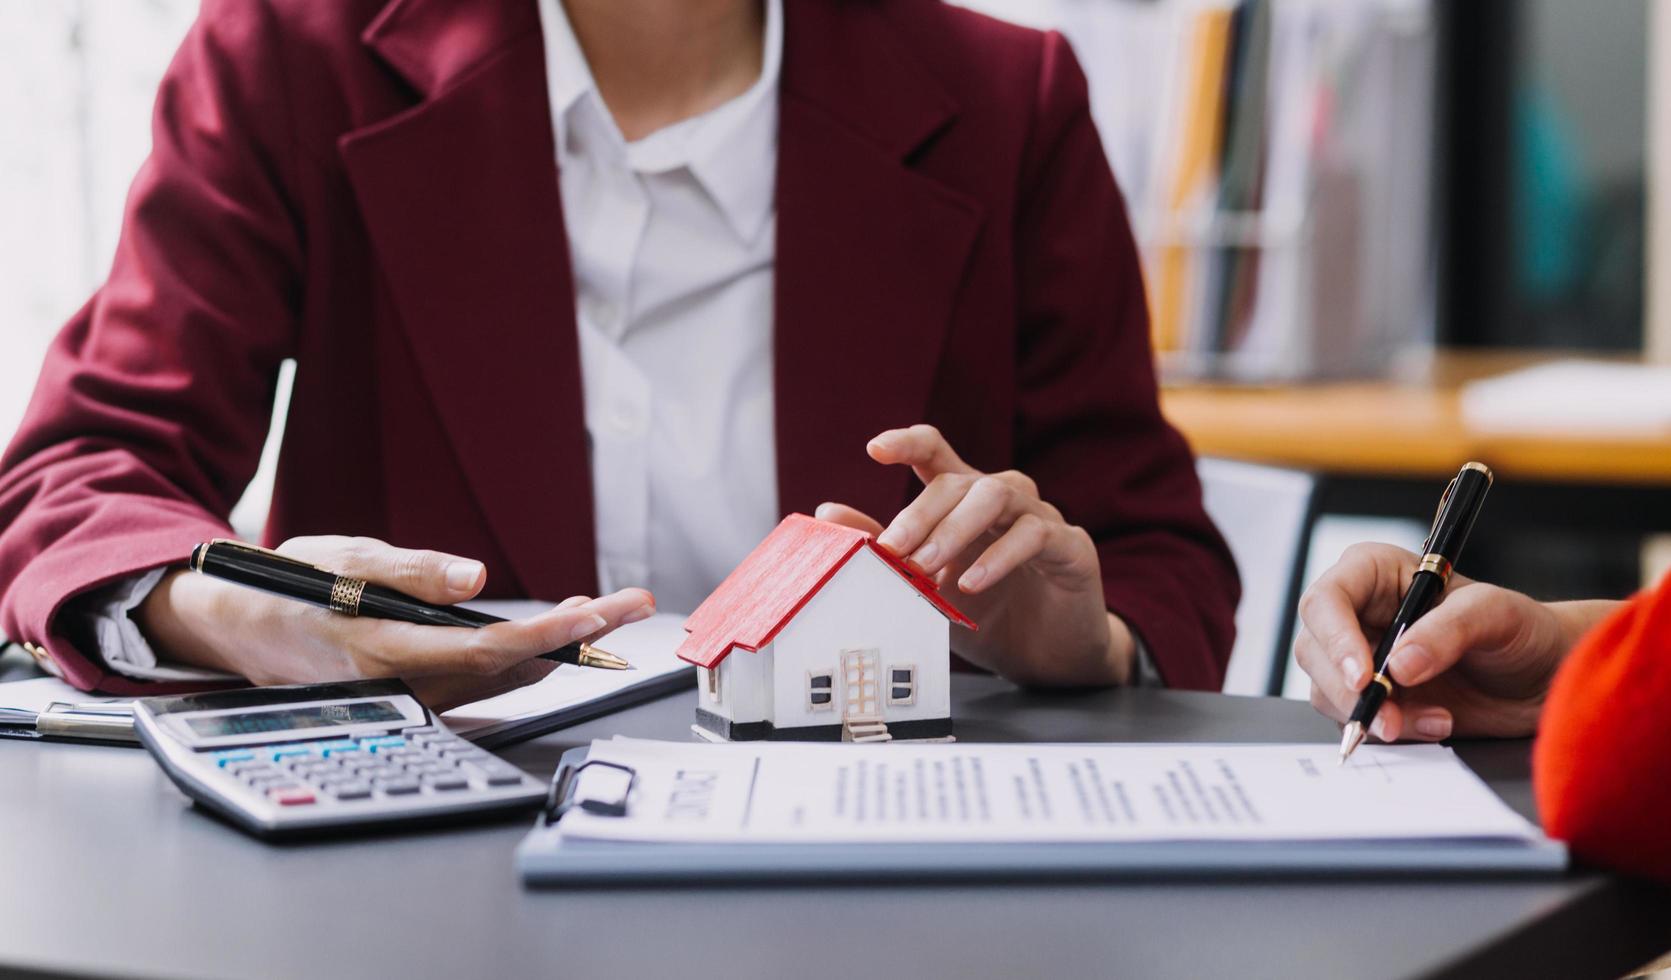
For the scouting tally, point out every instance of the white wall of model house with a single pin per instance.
(865, 605)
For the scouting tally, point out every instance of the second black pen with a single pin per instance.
(1458, 508)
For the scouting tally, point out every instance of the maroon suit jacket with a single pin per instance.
(370, 188)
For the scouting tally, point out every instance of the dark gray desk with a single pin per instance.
(104, 868)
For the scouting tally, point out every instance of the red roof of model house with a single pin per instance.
(778, 577)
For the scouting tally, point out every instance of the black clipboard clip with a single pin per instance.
(564, 781)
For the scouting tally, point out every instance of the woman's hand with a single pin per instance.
(1479, 662)
(205, 622)
(1030, 579)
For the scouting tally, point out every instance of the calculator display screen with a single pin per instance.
(290, 719)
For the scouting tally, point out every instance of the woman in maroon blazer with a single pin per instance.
(370, 187)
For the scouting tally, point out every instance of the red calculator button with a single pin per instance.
(290, 795)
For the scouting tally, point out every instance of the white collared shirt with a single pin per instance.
(672, 239)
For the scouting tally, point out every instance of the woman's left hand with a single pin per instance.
(1029, 578)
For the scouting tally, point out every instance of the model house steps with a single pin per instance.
(865, 730)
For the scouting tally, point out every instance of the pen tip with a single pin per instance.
(591, 656)
(1350, 739)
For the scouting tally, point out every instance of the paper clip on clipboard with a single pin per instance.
(564, 787)
(108, 722)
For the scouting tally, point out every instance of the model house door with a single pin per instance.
(860, 683)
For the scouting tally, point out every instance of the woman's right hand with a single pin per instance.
(205, 622)
(1479, 662)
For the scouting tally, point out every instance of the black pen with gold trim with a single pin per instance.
(1457, 510)
(257, 568)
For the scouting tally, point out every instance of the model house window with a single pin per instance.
(711, 676)
(902, 685)
(820, 691)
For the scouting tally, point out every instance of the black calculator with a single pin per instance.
(307, 759)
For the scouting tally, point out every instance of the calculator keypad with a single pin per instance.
(419, 761)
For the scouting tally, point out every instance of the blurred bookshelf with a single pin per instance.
(1278, 160)
(1286, 217)
(1329, 190)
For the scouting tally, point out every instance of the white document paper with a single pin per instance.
(844, 793)
(647, 645)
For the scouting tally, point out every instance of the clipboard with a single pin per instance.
(546, 858)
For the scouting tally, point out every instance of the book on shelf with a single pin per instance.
(1331, 271)
(1193, 169)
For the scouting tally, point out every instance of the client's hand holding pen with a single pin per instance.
(196, 620)
(269, 571)
(1458, 508)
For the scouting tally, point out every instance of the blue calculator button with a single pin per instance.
(328, 749)
(383, 743)
(224, 759)
(291, 752)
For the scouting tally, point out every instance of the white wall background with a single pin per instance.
(77, 82)
(77, 78)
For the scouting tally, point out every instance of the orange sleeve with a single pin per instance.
(1604, 750)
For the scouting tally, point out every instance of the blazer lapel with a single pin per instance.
(870, 253)
(460, 196)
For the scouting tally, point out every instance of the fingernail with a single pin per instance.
(587, 627)
(462, 576)
(1378, 728)
(890, 538)
(926, 555)
(1436, 725)
(822, 509)
(1353, 671)
(638, 615)
(972, 578)
(1411, 665)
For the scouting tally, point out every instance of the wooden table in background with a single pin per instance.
(1404, 429)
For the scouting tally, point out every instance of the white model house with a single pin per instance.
(822, 634)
